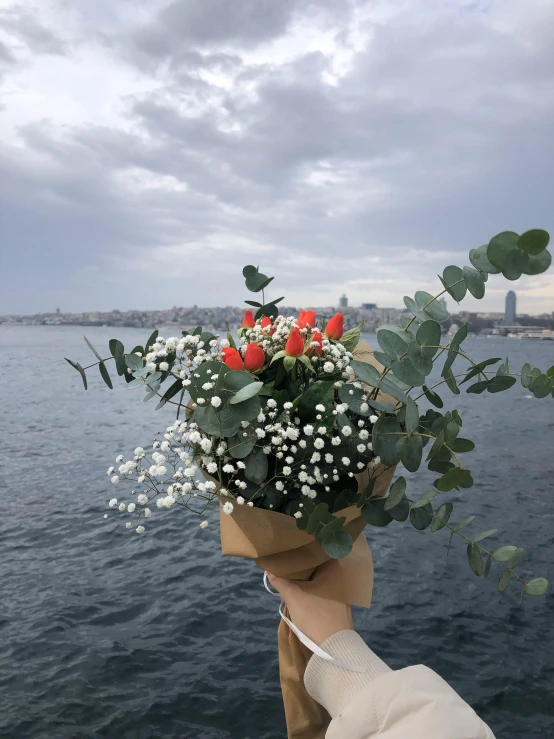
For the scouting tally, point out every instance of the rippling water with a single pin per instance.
(107, 634)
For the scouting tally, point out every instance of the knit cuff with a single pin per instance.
(333, 687)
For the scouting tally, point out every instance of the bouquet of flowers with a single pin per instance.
(296, 428)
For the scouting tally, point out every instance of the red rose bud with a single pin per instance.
(335, 327)
(232, 358)
(295, 343)
(248, 320)
(254, 358)
(306, 318)
(266, 323)
(317, 336)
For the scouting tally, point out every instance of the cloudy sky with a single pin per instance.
(151, 149)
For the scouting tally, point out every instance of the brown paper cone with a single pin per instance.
(276, 544)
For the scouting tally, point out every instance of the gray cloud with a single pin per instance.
(435, 136)
(24, 24)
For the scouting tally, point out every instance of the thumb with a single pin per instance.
(284, 587)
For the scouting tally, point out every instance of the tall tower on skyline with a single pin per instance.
(510, 312)
(343, 301)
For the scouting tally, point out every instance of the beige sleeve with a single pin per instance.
(414, 702)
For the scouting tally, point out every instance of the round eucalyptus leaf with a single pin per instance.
(515, 263)
(441, 517)
(396, 493)
(534, 241)
(375, 514)
(410, 450)
(504, 580)
(431, 306)
(414, 308)
(500, 246)
(421, 518)
(391, 343)
(474, 281)
(429, 334)
(538, 586)
(337, 544)
(504, 554)
(453, 281)
(421, 358)
(539, 264)
(500, 382)
(406, 372)
(475, 559)
(478, 257)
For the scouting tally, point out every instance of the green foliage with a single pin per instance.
(538, 586)
(442, 516)
(337, 544)
(454, 478)
(421, 517)
(79, 369)
(396, 493)
(375, 514)
(256, 466)
(385, 437)
(350, 339)
(453, 282)
(255, 281)
(475, 559)
(410, 451)
(105, 375)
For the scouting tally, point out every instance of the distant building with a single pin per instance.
(510, 312)
(343, 302)
(442, 301)
(369, 306)
(58, 311)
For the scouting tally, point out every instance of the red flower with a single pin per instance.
(248, 320)
(254, 358)
(295, 343)
(335, 327)
(266, 325)
(232, 358)
(317, 336)
(306, 318)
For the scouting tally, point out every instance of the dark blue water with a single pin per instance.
(104, 633)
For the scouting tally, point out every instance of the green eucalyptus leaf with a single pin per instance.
(498, 383)
(337, 544)
(504, 554)
(478, 257)
(410, 450)
(151, 340)
(500, 246)
(538, 586)
(412, 416)
(474, 282)
(478, 387)
(391, 343)
(475, 559)
(539, 264)
(133, 362)
(453, 281)
(367, 373)
(256, 466)
(93, 350)
(487, 568)
(350, 339)
(246, 392)
(476, 369)
(432, 397)
(385, 436)
(396, 493)
(421, 358)
(421, 517)
(484, 534)
(105, 375)
(374, 512)
(526, 375)
(462, 445)
(441, 517)
(541, 386)
(414, 308)
(79, 369)
(504, 580)
(383, 358)
(533, 242)
(425, 498)
(320, 512)
(454, 478)
(406, 372)
(464, 523)
(429, 334)
(431, 306)
(336, 524)
(451, 381)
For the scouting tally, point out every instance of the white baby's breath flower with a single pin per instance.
(364, 407)
(147, 512)
(207, 386)
(204, 525)
(200, 401)
(308, 429)
(228, 508)
(122, 507)
(142, 499)
(131, 507)
(287, 406)
(140, 529)
(361, 448)
(319, 443)
(240, 499)
(164, 366)
(119, 458)
(346, 431)
(211, 468)
(115, 479)
(320, 407)
(345, 461)
(373, 419)
(298, 514)
(129, 525)
(286, 471)
(328, 367)
(113, 502)
(329, 458)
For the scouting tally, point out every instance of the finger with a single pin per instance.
(283, 587)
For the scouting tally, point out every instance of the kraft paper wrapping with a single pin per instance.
(275, 543)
